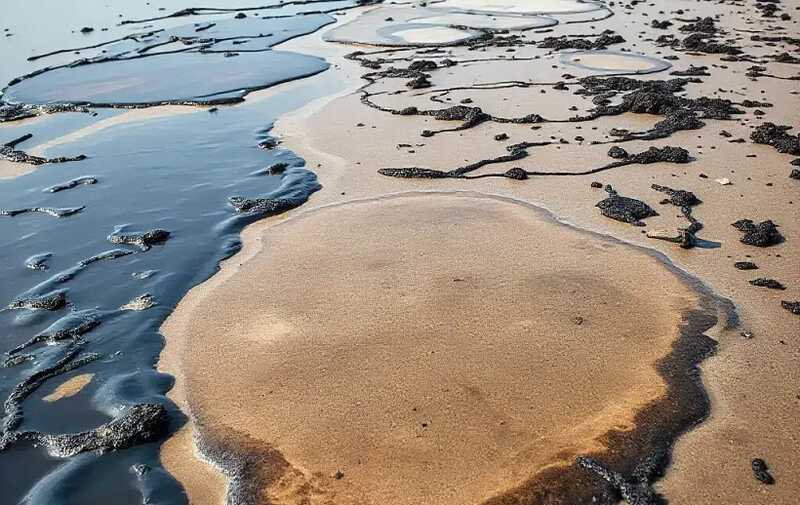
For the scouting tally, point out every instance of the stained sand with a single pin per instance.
(423, 372)
(69, 388)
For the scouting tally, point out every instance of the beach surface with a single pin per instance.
(455, 340)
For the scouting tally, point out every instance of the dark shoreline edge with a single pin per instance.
(250, 466)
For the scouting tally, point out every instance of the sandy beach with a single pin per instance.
(455, 340)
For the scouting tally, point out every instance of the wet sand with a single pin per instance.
(69, 387)
(10, 169)
(294, 372)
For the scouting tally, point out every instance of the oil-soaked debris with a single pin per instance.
(658, 97)
(705, 25)
(565, 42)
(681, 237)
(142, 240)
(16, 360)
(9, 153)
(516, 152)
(519, 151)
(795, 174)
(111, 254)
(146, 274)
(420, 82)
(686, 237)
(142, 302)
(261, 205)
(517, 174)
(661, 25)
(764, 282)
(277, 168)
(678, 197)
(786, 58)
(50, 301)
(38, 261)
(618, 153)
(268, 144)
(750, 104)
(138, 424)
(761, 234)
(636, 489)
(16, 112)
(69, 327)
(794, 41)
(745, 265)
(50, 211)
(73, 183)
(761, 471)
(627, 210)
(667, 154)
(413, 173)
(702, 43)
(768, 8)
(692, 71)
(777, 137)
(793, 307)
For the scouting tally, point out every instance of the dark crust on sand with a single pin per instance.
(637, 458)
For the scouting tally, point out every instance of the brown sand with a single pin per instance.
(10, 170)
(423, 372)
(753, 383)
(70, 387)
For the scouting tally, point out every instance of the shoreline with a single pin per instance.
(293, 131)
(206, 484)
